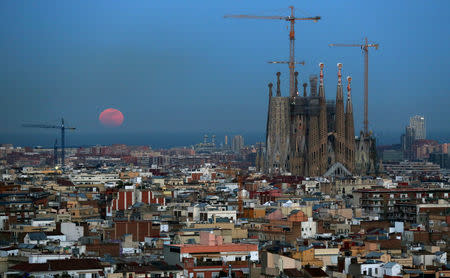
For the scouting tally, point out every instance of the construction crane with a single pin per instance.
(292, 20)
(365, 48)
(55, 153)
(63, 128)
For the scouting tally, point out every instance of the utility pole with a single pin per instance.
(365, 48)
(291, 18)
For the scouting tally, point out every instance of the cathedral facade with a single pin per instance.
(306, 134)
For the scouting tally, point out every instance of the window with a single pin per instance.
(200, 275)
(391, 196)
(430, 195)
(445, 195)
(376, 270)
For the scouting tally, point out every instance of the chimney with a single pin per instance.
(278, 84)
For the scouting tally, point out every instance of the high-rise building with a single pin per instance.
(410, 135)
(418, 124)
(237, 144)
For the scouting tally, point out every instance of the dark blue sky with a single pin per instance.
(179, 66)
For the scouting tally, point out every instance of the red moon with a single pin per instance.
(111, 117)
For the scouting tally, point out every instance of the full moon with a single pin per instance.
(111, 117)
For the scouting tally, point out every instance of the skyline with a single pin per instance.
(172, 71)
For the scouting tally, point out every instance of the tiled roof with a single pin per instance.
(59, 265)
(374, 255)
(37, 236)
(316, 272)
(390, 264)
(293, 272)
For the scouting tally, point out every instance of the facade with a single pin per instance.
(211, 256)
(309, 228)
(307, 135)
(138, 229)
(398, 204)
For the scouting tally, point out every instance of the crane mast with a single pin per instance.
(291, 63)
(63, 128)
(365, 48)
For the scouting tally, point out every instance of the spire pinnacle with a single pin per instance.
(270, 89)
(296, 82)
(304, 89)
(349, 95)
(339, 65)
(349, 88)
(278, 84)
(321, 65)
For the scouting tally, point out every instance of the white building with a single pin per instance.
(43, 222)
(208, 213)
(372, 268)
(392, 269)
(309, 228)
(35, 238)
(72, 231)
(84, 178)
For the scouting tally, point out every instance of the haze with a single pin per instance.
(179, 66)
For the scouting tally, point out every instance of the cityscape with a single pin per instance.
(153, 140)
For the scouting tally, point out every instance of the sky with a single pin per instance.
(179, 68)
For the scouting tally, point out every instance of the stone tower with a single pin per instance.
(278, 131)
(313, 136)
(349, 131)
(340, 120)
(323, 126)
(308, 135)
